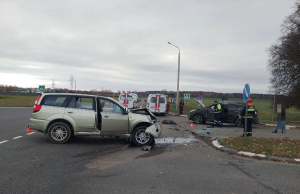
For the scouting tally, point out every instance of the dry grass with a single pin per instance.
(284, 147)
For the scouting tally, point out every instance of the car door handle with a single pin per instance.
(71, 112)
(106, 116)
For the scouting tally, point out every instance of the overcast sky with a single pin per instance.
(122, 45)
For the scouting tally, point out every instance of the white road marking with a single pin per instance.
(3, 141)
(17, 137)
(30, 133)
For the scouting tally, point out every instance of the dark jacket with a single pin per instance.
(250, 111)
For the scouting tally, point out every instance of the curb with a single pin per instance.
(250, 154)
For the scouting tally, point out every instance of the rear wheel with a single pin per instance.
(140, 138)
(198, 119)
(59, 133)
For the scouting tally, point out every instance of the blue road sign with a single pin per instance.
(186, 96)
(41, 88)
(200, 95)
(246, 92)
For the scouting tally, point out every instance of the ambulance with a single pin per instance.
(136, 100)
(126, 100)
(157, 103)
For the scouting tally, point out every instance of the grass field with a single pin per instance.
(17, 101)
(263, 106)
(283, 147)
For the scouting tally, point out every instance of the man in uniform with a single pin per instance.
(217, 114)
(250, 114)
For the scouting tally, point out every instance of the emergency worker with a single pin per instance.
(168, 107)
(250, 115)
(217, 114)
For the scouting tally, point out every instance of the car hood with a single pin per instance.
(144, 111)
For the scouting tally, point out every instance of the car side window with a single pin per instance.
(54, 100)
(108, 106)
(86, 103)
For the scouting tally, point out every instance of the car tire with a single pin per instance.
(198, 119)
(59, 133)
(140, 138)
(238, 122)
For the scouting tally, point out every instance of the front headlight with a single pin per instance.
(192, 111)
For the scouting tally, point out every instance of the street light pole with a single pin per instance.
(178, 74)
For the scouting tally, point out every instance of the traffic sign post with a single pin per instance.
(42, 88)
(187, 96)
(200, 95)
(246, 96)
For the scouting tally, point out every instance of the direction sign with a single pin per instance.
(200, 95)
(186, 96)
(42, 88)
(246, 92)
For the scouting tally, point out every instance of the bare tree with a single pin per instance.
(284, 59)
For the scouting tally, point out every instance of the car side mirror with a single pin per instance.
(125, 110)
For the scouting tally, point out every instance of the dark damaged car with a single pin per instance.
(201, 116)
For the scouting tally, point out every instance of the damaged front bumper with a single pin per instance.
(154, 130)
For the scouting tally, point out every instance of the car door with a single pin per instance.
(113, 120)
(210, 113)
(233, 112)
(82, 110)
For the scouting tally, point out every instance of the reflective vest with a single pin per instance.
(217, 108)
(250, 112)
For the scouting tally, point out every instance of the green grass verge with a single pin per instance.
(284, 147)
(17, 101)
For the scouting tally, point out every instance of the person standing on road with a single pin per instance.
(168, 107)
(250, 115)
(217, 114)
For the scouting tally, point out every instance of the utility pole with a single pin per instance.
(53, 85)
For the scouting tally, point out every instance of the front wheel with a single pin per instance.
(238, 122)
(198, 119)
(59, 133)
(140, 138)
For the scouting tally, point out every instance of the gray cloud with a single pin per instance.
(122, 45)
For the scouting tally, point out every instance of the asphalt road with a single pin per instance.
(31, 164)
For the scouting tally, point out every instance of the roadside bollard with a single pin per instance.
(280, 118)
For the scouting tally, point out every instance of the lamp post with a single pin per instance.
(177, 98)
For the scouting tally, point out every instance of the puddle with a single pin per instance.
(174, 141)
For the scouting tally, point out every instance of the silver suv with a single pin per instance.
(62, 115)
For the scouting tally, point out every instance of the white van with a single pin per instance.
(136, 101)
(126, 100)
(157, 103)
